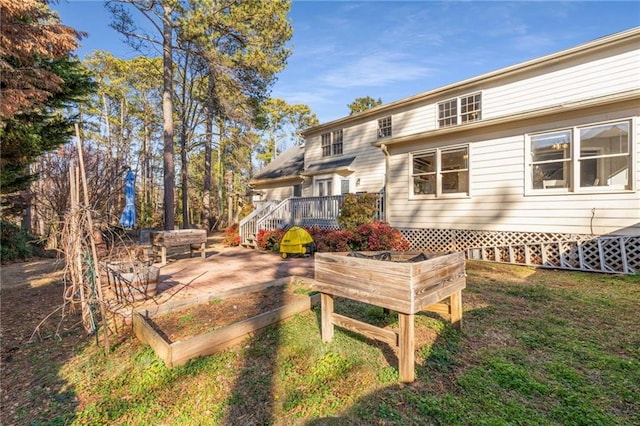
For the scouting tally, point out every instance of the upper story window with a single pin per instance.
(448, 113)
(586, 158)
(331, 143)
(464, 109)
(326, 144)
(440, 172)
(337, 142)
(470, 108)
(384, 127)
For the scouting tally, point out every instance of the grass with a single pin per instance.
(538, 347)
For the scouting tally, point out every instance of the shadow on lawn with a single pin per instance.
(32, 390)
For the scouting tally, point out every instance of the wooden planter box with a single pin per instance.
(405, 287)
(196, 239)
(178, 353)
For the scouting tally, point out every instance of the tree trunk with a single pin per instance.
(206, 185)
(167, 112)
(184, 178)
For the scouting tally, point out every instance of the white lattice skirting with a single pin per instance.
(608, 254)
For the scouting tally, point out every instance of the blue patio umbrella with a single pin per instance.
(128, 218)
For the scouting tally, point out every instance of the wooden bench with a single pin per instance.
(196, 239)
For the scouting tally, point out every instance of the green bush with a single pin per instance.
(15, 243)
(358, 209)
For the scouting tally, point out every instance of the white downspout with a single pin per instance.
(385, 151)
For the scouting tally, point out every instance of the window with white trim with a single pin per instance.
(324, 187)
(585, 158)
(326, 144)
(336, 142)
(440, 172)
(464, 109)
(344, 186)
(384, 127)
(332, 143)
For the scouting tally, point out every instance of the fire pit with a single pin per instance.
(405, 282)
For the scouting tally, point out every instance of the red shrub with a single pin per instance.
(231, 236)
(379, 236)
(270, 239)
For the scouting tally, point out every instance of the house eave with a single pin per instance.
(338, 170)
(628, 96)
(284, 179)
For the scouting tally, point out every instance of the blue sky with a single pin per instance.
(393, 49)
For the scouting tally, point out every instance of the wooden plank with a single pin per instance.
(438, 308)
(377, 288)
(366, 276)
(147, 334)
(181, 304)
(406, 343)
(388, 336)
(326, 308)
(218, 340)
(399, 305)
(441, 293)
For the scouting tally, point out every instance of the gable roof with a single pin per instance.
(287, 165)
(329, 166)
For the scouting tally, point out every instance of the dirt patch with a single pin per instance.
(34, 272)
(206, 317)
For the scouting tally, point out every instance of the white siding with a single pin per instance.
(566, 82)
(275, 191)
(368, 165)
(497, 201)
(584, 77)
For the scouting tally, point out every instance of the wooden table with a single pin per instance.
(196, 239)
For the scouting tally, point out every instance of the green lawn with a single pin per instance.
(538, 347)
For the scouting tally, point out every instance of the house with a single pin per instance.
(537, 163)
(281, 178)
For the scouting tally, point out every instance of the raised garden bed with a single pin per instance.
(185, 329)
(404, 282)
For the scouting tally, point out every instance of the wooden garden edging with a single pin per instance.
(178, 353)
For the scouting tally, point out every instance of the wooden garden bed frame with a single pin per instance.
(405, 287)
(178, 353)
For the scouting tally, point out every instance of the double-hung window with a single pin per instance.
(384, 127)
(336, 143)
(581, 159)
(326, 144)
(332, 143)
(440, 172)
(464, 109)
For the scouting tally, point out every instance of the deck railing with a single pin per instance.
(247, 226)
(299, 211)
